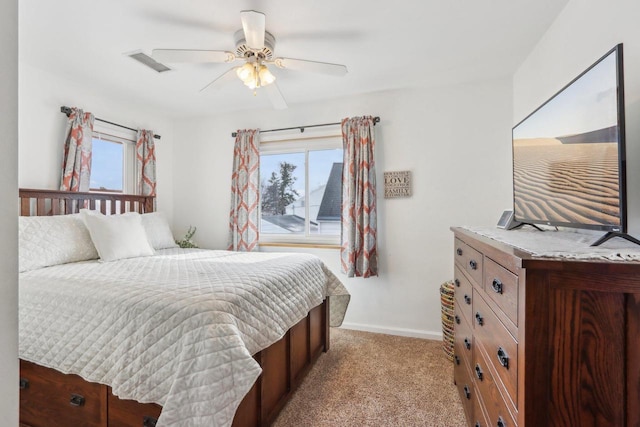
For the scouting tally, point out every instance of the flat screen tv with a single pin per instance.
(569, 154)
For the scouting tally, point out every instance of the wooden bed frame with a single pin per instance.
(49, 398)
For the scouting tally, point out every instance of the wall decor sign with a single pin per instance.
(397, 184)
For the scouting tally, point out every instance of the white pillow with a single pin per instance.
(117, 236)
(51, 240)
(158, 231)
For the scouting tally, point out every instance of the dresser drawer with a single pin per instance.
(500, 346)
(463, 340)
(491, 397)
(469, 260)
(480, 417)
(464, 383)
(463, 293)
(49, 398)
(126, 413)
(501, 286)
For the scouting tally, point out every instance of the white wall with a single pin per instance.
(42, 128)
(583, 32)
(8, 213)
(456, 141)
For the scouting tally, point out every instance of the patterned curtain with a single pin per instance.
(76, 161)
(245, 192)
(146, 163)
(358, 252)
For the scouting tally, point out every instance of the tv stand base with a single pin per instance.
(612, 234)
(520, 224)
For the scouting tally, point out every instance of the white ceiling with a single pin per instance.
(385, 45)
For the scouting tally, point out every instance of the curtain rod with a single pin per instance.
(67, 111)
(302, 128)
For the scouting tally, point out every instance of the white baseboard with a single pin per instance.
(403, 332)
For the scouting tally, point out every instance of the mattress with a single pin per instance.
(178, 329)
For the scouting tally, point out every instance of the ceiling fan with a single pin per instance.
(254, 47)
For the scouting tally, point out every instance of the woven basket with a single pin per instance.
(446, 302)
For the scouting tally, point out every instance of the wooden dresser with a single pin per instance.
(545, 342)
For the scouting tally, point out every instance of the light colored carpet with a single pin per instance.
(371, 379)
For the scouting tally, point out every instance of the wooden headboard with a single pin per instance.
(54, 202)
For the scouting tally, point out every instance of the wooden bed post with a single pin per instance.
(148, 204)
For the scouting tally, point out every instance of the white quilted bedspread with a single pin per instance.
(177, 329)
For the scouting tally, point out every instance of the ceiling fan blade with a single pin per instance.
(311, 66)
(188, 55)
(275, 96)
(253, 25)
(221, 79)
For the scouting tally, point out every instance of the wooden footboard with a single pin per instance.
(284, 365)
(49, 398)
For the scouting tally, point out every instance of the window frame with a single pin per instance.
(298, 145)
(127, 138)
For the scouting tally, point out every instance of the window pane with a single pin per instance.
(325, 191)
(107, 165)
(282, 193)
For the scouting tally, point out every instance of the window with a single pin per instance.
(107, 166)
(301, 190)
(112, 160)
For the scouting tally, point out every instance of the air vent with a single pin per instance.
(149, 62)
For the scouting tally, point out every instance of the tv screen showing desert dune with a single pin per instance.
(565, 154)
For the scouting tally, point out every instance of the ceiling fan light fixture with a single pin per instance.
(255, 74)
(246, 72)
(266, 78)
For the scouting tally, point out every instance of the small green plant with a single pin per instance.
(186, 242)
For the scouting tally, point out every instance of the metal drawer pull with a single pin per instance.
(503, 358)
(467, 392)
(467, 343)
(457, 360)
(76, 400)
(467, 299)
(24, 383)
(459, 251)
(479, 372)
(501, 423)
(457, 282)
(473, 264)
(149, 421)
(457, 319)
(497, 286)
(478, 424)
(479, 319)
